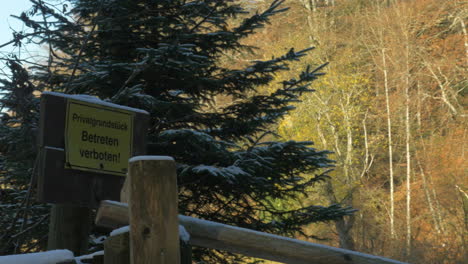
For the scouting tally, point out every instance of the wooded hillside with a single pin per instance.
(392, 107)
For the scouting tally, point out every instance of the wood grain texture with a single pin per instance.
(154, 238)
(69, 228)
(117, 249)
(252, 243)
(112, 215)
(59, 185)
(125, 193)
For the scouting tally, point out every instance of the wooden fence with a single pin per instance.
(151, 193)
(149, 206)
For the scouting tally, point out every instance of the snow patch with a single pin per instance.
(119, 231)
(54, 148)
(88, 257)
(236, 170)
(141, 158)
(183, 234)
(205, 168)
(95, 100)
(48, 257)
(98, 240)
(230, 172)
(116, 203)
(185, 132)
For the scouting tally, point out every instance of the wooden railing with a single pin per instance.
(151, 193)
(149, 205)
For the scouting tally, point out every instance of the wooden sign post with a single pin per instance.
(84, 147)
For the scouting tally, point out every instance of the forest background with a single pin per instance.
(392, 108)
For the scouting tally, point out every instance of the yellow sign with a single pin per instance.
(98, 138)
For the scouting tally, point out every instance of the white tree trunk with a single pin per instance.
(349, 142)
(367, 163)
(465, 35)
(443, 89)
(429, 199)
(310, 6)
(314, 5)
(408, 153)
(390, 151)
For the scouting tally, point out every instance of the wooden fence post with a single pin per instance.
(69, 228)
(117, 249)
(154, 224)
(185, 252)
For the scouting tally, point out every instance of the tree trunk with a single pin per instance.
(310, 6)
(390, 151)
(429, 199)
(465, 35)
(408, 153)
(69, 228)
(367, 163)
(313, 3)
(349, 144)
(343, 226)
(464, 235)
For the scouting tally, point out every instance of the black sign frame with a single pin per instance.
(59, 185)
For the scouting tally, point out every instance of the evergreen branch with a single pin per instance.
(19, 37)
(204, 18)
(78, 58)
(22, 232)
(258, 20)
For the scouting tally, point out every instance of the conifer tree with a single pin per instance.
(164, 56)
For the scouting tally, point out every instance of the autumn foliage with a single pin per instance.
(418, 51)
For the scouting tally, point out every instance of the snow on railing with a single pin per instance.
(152, 213)
(157, 234)
(48, 257)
